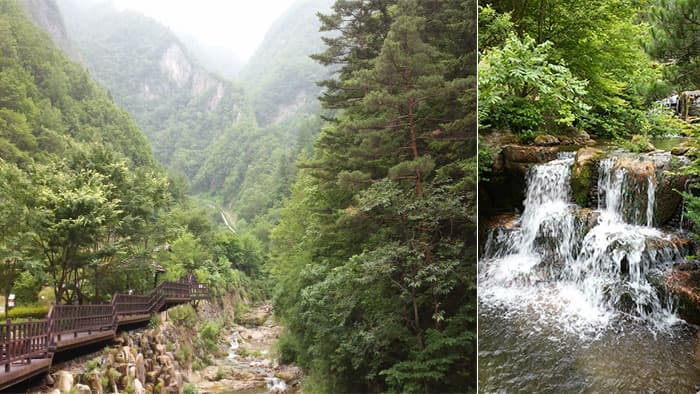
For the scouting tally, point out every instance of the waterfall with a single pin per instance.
(549, 264)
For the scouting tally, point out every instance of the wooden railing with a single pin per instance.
(23, 341)
(33, 339)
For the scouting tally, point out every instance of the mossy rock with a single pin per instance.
(584, 173)
(688, 309)
(546, 140)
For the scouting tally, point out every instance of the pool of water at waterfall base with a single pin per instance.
(520, 351)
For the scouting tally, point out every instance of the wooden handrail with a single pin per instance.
(22, 342)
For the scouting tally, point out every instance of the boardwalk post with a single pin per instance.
(8, 348)
(29, 333)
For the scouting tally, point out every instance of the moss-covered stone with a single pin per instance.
(583, 174)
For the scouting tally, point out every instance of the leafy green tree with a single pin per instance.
(16, 225)
(186, 255)
(676, 38)
(74, 209)
(522, 90)
(371, 254)
(600, 42)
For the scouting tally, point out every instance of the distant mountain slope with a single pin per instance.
(280, 76)
(46, 14)
(222, 61)
(47, 101)
(235, 147)
(179, 105)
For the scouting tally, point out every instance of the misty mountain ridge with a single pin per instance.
(236, 142)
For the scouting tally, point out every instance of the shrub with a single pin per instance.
(92, 364)
(219, 374)
(287, 349)
(639, 143)
(183, 315)
(155, 321)
(25, 312)
(209, 334)
(184, 354)
(189, 388)
(523, 88)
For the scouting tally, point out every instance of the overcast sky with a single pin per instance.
(236, 24)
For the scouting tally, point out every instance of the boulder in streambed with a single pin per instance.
(684, 284)
(546, 140)
(519, 158)
(584, 174)
(64, 381)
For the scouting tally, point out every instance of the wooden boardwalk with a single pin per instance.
(27, 348)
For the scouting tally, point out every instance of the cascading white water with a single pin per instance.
(546, 225)
(549, 266)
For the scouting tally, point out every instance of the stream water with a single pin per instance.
(568, 297)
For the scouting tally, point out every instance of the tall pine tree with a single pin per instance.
(382, 295)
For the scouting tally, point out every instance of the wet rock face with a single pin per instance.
(584, 175)
(683, 282)
(519, 158)
(689, 103)
(661, 168)
(546, 140)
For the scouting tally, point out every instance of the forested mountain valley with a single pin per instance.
(331, 177)
(234, 142)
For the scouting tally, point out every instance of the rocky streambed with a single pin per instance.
(250, 365)
(153, 361)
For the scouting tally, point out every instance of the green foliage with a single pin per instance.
(600, 42)
(209, 334)
(369, 254)
(287, 351)
(155, 321)
(28, 289)
(24, 312)
(92, 364)
(638, 144)
(523, 90)
(487, 157)
(676, 39)
(183, 315)
(661, 122)
(220, 374)
(189, 388)
(184, 354)
(494, 28)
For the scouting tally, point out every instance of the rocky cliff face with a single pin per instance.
(180, 106)
(280, 75)
(46, 15)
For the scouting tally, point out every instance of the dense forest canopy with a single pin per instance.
(373, 259)
(592, 69)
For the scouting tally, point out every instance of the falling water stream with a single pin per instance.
(568, 296)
